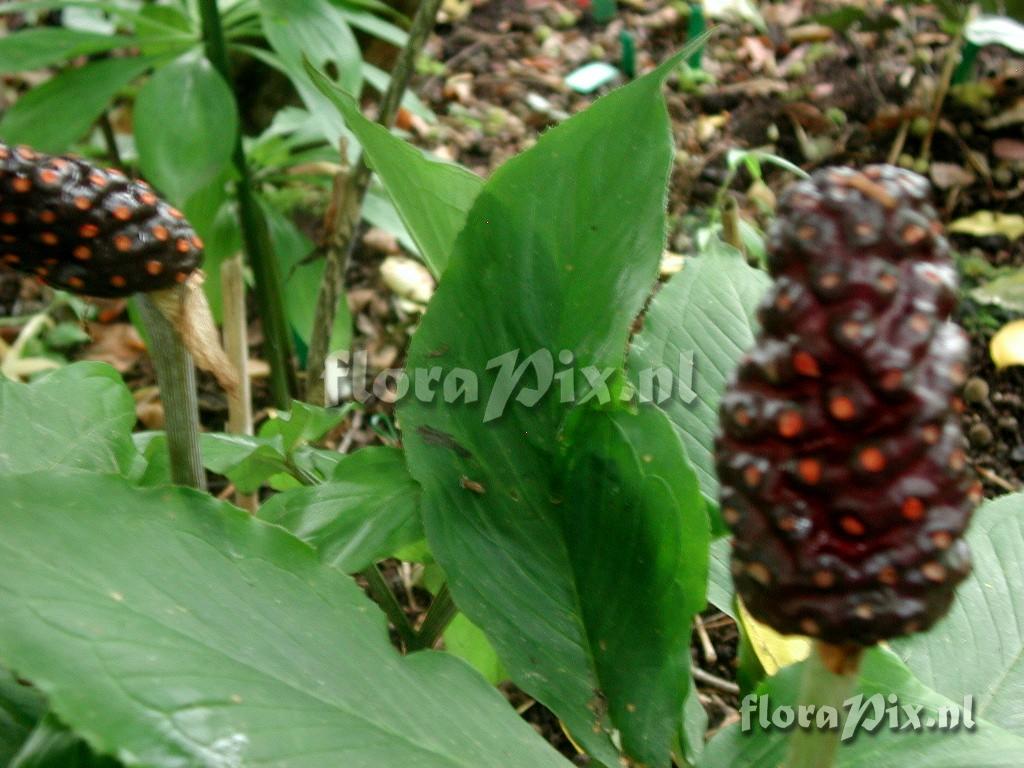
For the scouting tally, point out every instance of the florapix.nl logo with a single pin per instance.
(512, 377)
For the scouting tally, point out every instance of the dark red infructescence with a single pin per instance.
(842, 463)
(89, 230)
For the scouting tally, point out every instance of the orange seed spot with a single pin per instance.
(809, 471)
(872, 459)
(22, 185)
(47, 217)
(160, 232)
(913, 509)
(49, 238)
(842, 408)
(852, 526)
(76, 282)
(183, 245)
(118, 281)
(83, 203)
(791, 424)
(889, 575)
(752, 476)
(122, 213)
(154, 267)
(805, 364)
(82, 253)
(934, 572)
(123, 243)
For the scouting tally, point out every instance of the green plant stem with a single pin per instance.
(829, 679)
(438, 617)
(176, 376)
(256, 237)
(385, 598)
(349, 194)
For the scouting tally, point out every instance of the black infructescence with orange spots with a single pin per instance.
(841, 459)
(89, 230)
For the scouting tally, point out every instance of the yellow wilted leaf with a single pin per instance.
(1007, 346)
(985, 223)
(773, 650)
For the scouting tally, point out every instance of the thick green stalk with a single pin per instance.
(349, 196)
(176, 376)
(256, 237)
(829, 679)
(438, 617)
(385, 598)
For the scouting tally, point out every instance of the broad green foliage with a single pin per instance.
(987, 617)
(186, 126)
(61, 111)
(547, 261)
(44, 46)
(432, 197)
(881, 673)
(705, 314)
(633, 516)
(77, 417)
(275, 658)
(282, 448)
(317, 31)
(366, 511)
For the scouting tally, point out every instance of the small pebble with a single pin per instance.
(980, 436)
(976, 390)
(1008, 424)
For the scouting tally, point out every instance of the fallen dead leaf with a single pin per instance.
(117, 344)
(1008, 149)
(947, 175)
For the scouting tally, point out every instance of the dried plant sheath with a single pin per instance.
(842, 463)
(89, 230)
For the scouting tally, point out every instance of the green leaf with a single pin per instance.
(77, 417)
(302, 277)
(376, 26)
(317, 31)
(432, 197)
(51, 745)
(39, 47)
(186, 126)
(248, 462)
(367, 511)
(21, 707)
(61, 111)
(881, 674)
(303, 423)
(559, 252)
(1007, 292)
(720, 587)
(637, 535)
(175, 630)
(466, 640)
(704, 316)
(988, 616)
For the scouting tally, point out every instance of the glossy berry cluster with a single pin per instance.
(89, 230)
(842, 463)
